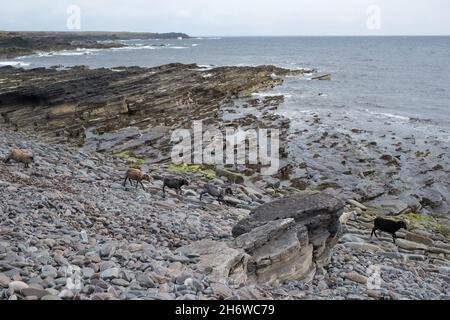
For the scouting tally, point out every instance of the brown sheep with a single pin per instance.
(136, 175)
(20, 156)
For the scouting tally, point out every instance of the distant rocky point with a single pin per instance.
(14, 44)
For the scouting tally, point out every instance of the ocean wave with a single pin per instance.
(137, 47)
(388, 115)
(267, 94)
(195, 44)
(205, 67)
(208, 38)
(76, 52)
(13, 64)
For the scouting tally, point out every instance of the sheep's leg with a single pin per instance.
(143, 187)
(125, 182)
(201, 195)
(164, 189)
(394, 237)
(6, 159)
(374, 232)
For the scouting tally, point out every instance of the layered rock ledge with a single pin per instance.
(125, 108)
(282, 240)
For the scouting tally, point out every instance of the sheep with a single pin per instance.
(174, 183)
(388, 226)
(343, 219)
(136, 175)
(216, 192)
(20, 156)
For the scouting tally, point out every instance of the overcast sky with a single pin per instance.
(236, 17)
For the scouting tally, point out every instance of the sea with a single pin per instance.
(401, 79)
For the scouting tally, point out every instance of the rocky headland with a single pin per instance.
(16, 44)
(71, 230)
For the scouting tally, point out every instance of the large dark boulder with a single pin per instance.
(317, 213)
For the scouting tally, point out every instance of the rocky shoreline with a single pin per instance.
(277, 237)
(16, 44)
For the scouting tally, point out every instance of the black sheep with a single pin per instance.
(387, 226)
(174, 183)
(214, 191)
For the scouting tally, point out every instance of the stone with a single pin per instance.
(391, 206)
(110, 273)
(4, 280)
(414, 237)
(221, 291)
(357, 204)
(376, 294)
(87, 272)
(107, 265)
(50, 297)
(222, 263)
(351, 238)
(438, 250)
(318, 210)
(66, 294)
(431, 197)
(144, 280)
(232, 177)
(279, 252)
(363, 246)
(17, 286)
(410, 245)
(34, 292)
(48, 271)
(84, 237)
(355, 277)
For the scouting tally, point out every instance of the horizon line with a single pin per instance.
(239, 36)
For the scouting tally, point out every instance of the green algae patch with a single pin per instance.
(130, 158)
(193, 168)
(434, 223)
